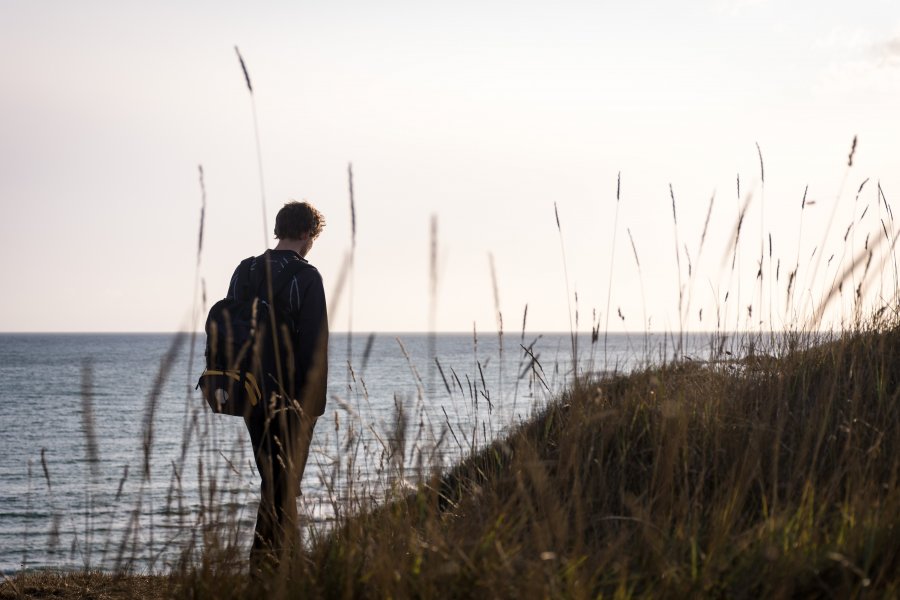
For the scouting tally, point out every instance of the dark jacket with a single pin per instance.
(303, 299)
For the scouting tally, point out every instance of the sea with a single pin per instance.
(111, 460)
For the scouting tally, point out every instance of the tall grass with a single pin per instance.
(773, 475)
(259, 160)
(612, 261)
(730, 478)
(352, 264)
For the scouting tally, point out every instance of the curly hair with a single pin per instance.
(296, 218)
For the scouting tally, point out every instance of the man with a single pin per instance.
(281, 425)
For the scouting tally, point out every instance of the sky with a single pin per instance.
(488, 119)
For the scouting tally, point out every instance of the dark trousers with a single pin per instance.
(280, 436)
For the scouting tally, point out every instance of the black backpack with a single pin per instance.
(244, 361)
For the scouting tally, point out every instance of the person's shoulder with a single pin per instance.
(309, 271)
(302, 268)
(308, 275)
(250, 262)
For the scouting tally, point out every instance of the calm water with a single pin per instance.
(60, 508)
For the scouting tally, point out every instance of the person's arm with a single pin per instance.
(312, 344)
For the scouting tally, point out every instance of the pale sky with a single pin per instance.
(481, 114)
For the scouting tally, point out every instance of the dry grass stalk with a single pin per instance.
(562, 246)
(259, 160)
(612, 258)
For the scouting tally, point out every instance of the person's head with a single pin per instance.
(298, 222)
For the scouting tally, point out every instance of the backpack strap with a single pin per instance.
(243, 285)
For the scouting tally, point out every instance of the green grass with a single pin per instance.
(767, 477)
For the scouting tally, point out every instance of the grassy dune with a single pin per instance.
(767, 477)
